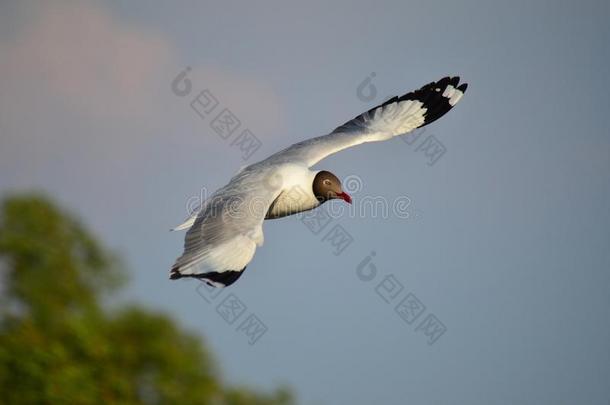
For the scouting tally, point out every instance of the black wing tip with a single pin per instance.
(174, 274)
(224, 278)
(430, 95)
(433, 98)
(213, 278)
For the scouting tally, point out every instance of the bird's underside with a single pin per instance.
(223, 235)
(290, 202)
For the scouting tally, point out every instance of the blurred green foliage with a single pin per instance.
(57, 343)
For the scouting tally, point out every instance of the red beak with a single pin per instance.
(345, 197)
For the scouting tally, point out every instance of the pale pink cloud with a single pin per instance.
(250, 99)
(77, 82)
(82, 56)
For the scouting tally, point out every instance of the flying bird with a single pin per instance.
(223, 235)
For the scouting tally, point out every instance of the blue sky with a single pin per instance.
(507, 241)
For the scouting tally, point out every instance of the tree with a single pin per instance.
(58, 344)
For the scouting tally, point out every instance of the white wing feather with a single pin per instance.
(396, 116)
(225, 233)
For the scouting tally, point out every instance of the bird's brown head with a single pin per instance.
(326, 186)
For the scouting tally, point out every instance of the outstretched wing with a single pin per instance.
(224, 236)
(396, 116)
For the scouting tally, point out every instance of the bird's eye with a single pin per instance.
(326, 182)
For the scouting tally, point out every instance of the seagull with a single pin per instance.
(224, 233)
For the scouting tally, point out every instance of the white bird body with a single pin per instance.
(296, 192)
(223, 235)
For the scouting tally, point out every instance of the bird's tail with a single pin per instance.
(186, 224)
